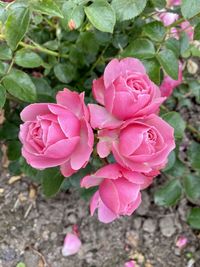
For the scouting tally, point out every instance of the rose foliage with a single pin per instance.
(93, 87)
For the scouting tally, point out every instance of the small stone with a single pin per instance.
(7, 254)
(137, 223)
(144, 207)
(72, 218)
(45, 235)
(132, 238)
(31, 259)
(53, 235)
(149, 226)
(167, 226)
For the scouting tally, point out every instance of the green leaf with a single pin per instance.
(190, 8)
(154, 30)
(169, 194)
(194, 218)
(51, 181)
(128, 9)
(153, 69)
(19, 85)
(197, 32)
(14, 150)
(64, 72)
(176, 121)
(3, 68)
(184, 44)
(139, 48)
(21, 264)
(9, 131)
(194, 155)
(195, 89)
(48, 7)
(44, 91)
(72, 12)
(171, 161)
(169, 62)
(159, 3)
(2, 96)
(27, 59)
(178, 170)
(17, 25)
(101, 15)
(191, 185)
(5, 52)
(27, 169)
(174, 45)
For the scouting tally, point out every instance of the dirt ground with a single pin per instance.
(32, 231)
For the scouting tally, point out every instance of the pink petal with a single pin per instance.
(103, 149)
(66, 169)
(105, 215)
(110, 171)
(40, 161)
(130, 264)
(90, 181)
(69, 123)
(72, 101)
(94, 203)
(100, 118)
(71, 245)
(128, 144)
(109, 195)
(98, 90)
(84, 149)
(115, 68)
(62, 148)
(181, 242)
(31, 112)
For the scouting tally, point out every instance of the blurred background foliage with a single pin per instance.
(47, 45)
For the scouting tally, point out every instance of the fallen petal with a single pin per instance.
(129, 264)
(71, 245)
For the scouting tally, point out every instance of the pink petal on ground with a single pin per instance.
(71, 245)
(130, 264)
(181, 242)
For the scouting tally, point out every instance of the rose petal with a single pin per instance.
(71, 245)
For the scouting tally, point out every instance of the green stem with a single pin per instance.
(38, 48)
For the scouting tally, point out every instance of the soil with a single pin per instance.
(32, 230)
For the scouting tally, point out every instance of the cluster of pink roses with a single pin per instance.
(127, 125)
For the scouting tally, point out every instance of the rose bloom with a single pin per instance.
(126, 90)
(57, 134)
(141, 145)
(168, 84)
(118, 193)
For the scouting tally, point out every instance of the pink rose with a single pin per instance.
(141, 145)
(168, 84)
(168, 18)
(57, 134)
(126, 90)
(118, 193)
